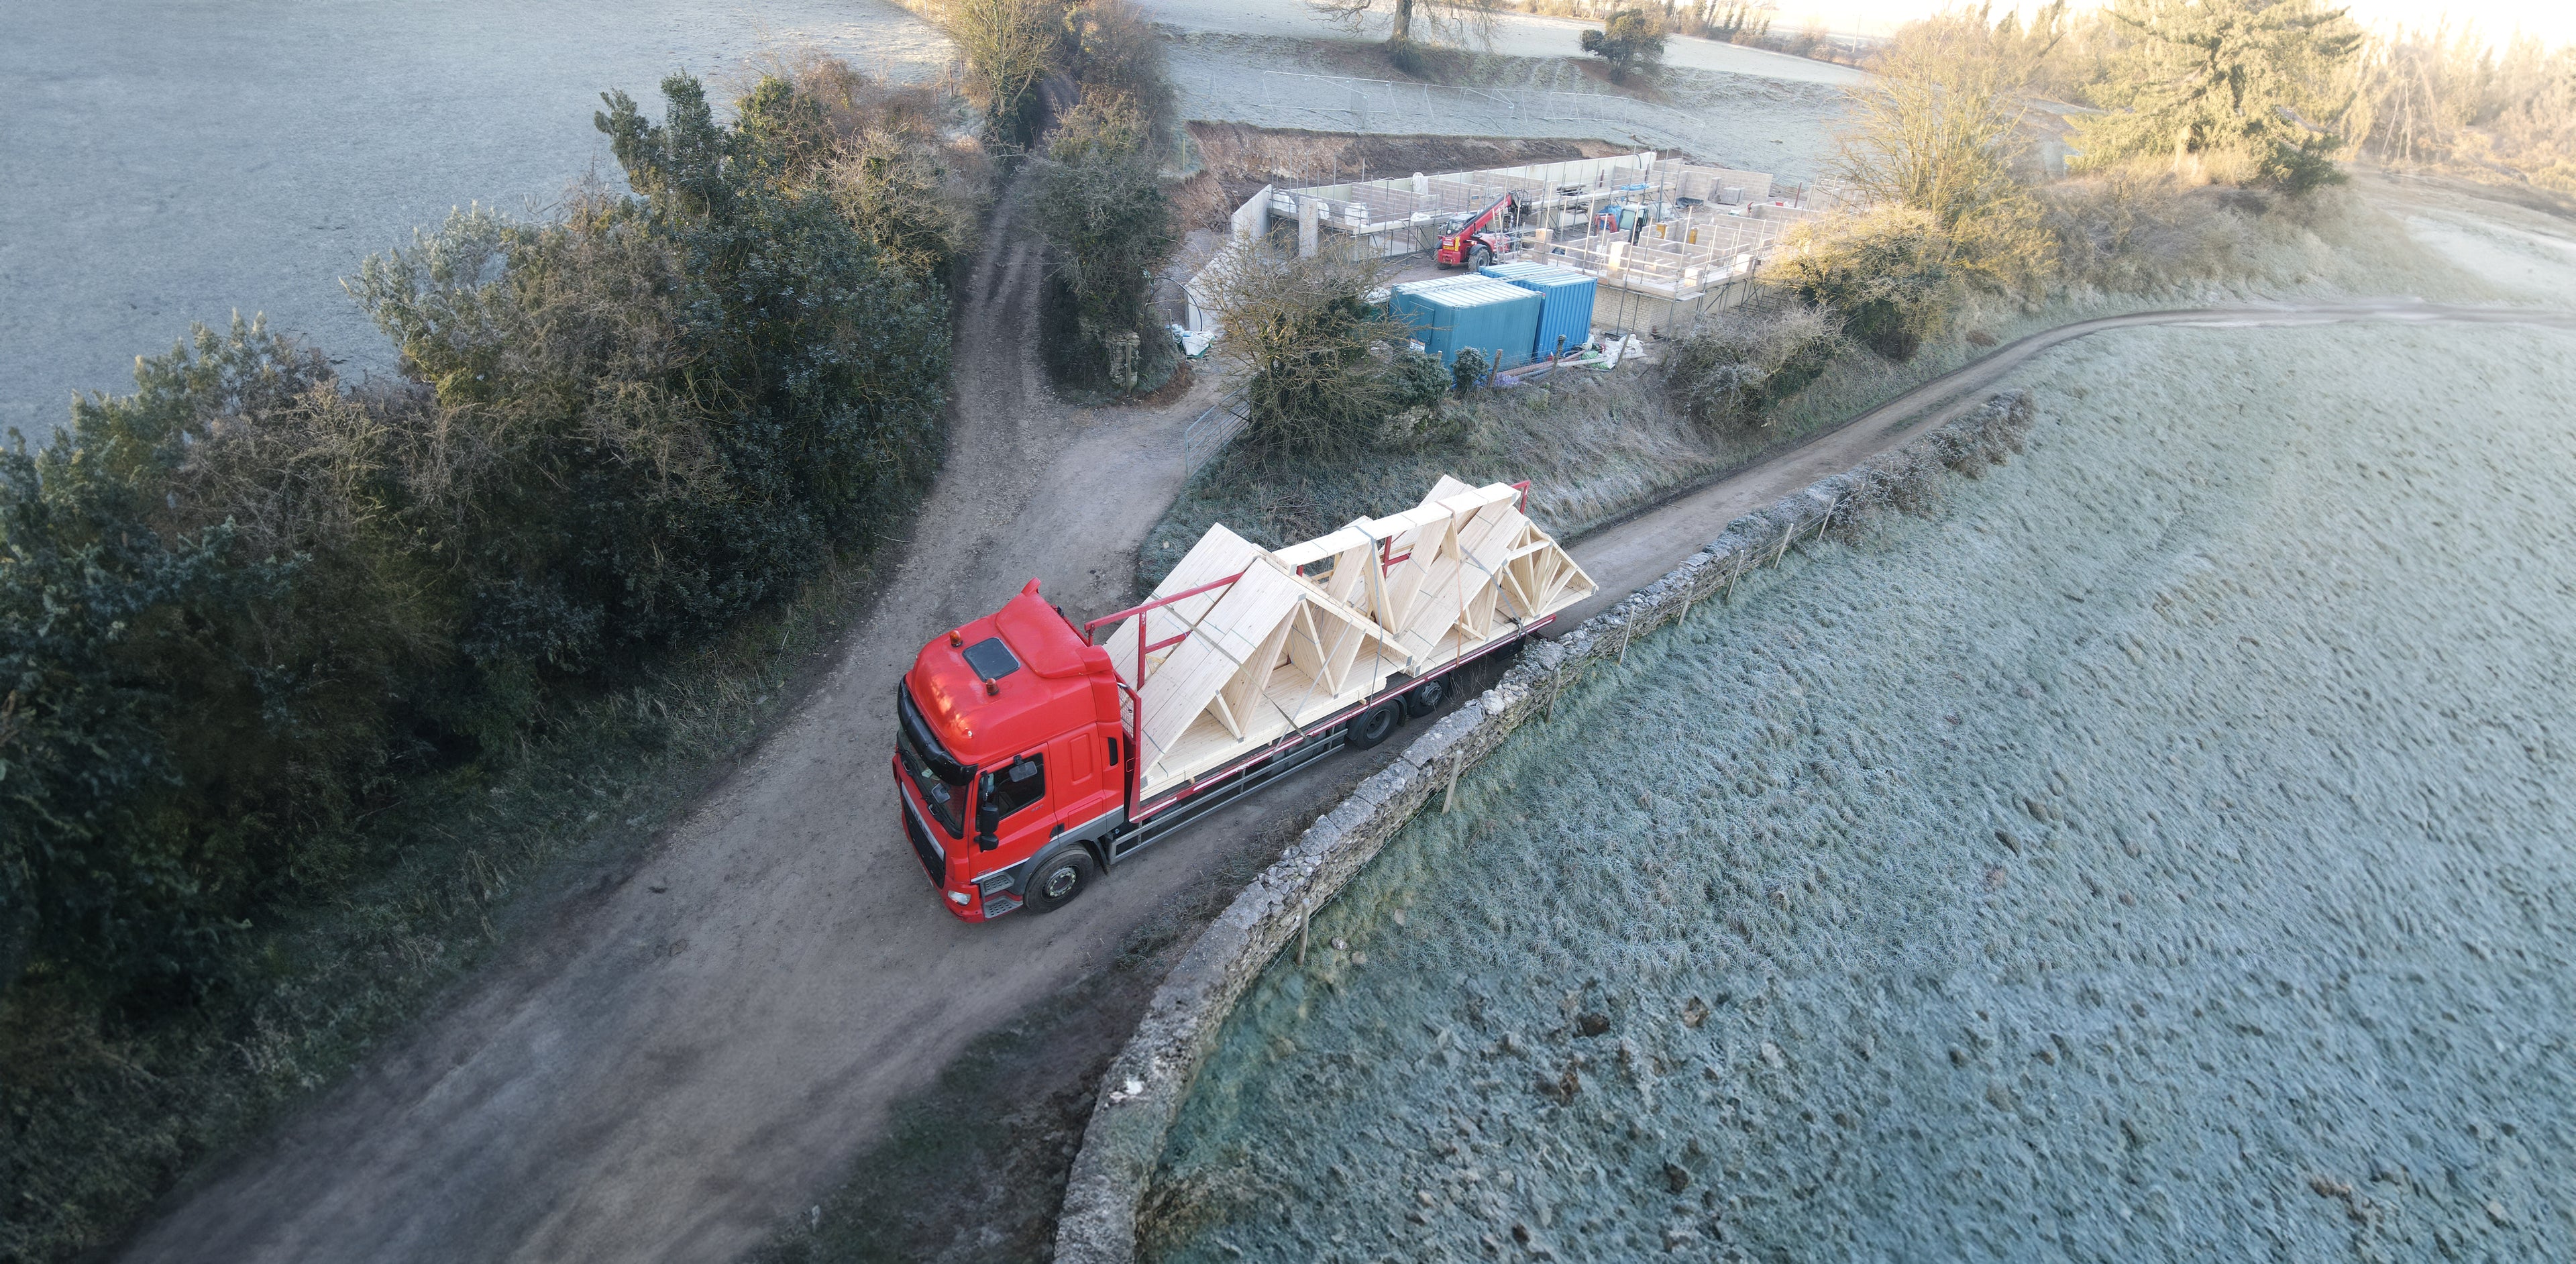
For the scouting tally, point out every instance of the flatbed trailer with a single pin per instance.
(1070, 756)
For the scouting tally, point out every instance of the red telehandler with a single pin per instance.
(1029, 759)
(1476, 242)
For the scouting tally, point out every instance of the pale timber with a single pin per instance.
(1303, 634)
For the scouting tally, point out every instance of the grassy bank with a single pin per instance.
(2141, 858)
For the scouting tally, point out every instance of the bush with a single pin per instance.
(1736, 366)
(1008, 46)
(1467, 370)
(1320, 364)
(1114, 50)
(1631, 40)
(1887, 271)
(241, 599)
(210, 620)
(1417, 379)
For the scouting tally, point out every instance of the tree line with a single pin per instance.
(2264, 97)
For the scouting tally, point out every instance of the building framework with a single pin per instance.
(1668, 240)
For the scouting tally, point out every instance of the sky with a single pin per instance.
(2552, 20)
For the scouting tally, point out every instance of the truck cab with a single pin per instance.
(1010, 759)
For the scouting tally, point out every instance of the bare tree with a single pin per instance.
(1410, 23)
(1940, 131)
(1007, 44)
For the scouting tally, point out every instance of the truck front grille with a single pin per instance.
(931, 863)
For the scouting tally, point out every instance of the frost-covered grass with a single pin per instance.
(1757, 123)
(2162, 851)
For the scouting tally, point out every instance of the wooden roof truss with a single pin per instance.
(1287, 638)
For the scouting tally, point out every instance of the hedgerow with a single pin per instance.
(240, 603)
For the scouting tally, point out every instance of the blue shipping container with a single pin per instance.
(1566, 302)
(1496, 318)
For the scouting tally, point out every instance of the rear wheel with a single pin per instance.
(1059, 879)
(1479, 257)
(1376, 725)
(1426, 697)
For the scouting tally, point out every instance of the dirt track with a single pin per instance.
(663, 1076)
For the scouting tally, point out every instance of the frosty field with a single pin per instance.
(2161, 851)
(174, 161)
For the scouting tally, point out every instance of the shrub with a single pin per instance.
(1630, 40)
(1417, 379)
(1008, 46)
(1317, 359)
(1114, 50)
(1940, 130)
(128, 628)
(1887, 271)
(1736, 366)
(1468, 370)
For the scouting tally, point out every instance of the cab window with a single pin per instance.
(1010, 789)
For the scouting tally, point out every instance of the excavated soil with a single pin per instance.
(2158, 852)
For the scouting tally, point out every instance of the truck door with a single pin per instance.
(1011, 803)
(1086, 782)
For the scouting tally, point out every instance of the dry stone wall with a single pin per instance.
(1142, 1092)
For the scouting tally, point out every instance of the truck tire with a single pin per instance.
(1059, 879)
(1425, 698)
(1376, 724)
(1479, 257)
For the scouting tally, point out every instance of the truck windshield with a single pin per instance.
(940, 778)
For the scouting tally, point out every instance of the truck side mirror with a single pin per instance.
(988, 818)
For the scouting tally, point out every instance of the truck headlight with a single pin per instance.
(957, 898)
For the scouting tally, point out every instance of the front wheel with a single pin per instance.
(1426, 697)
(1376, 726)
(1480, 258)
(1059, 879)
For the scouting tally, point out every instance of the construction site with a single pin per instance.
(1662, 240)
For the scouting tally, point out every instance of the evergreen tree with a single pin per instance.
(2253, 90)
(1630, 41)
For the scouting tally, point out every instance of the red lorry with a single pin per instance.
(1029, 760)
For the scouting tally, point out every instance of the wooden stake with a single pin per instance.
(1450, 795)
(1304, 920)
